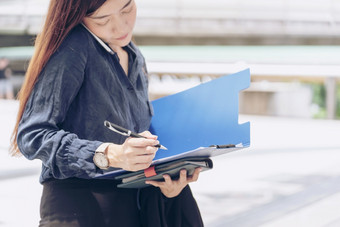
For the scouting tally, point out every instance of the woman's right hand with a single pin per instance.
(134, 154)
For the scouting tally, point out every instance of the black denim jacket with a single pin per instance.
(81, 86)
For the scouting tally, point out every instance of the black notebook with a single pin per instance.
(137, 179)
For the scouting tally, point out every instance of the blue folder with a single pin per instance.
(200, 122)
(190, 122)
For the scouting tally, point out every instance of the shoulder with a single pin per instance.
(71, 55)
(76, 41)
(73, 50)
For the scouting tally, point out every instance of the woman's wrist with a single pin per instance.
(112, 154)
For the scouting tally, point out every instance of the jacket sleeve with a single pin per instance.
(39, 134)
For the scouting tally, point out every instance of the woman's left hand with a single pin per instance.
(171, 188)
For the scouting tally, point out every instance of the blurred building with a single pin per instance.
(239, 24)
(214, 22)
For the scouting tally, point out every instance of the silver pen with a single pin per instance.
(125, 132)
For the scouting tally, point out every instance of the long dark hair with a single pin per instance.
(61, 18)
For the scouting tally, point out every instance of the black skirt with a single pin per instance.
(99, 203)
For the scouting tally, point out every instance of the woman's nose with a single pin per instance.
(118, 24)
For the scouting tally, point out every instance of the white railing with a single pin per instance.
(195, 73)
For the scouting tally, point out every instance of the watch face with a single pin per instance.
(100, 160)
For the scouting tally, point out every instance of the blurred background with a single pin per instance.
(290, 175)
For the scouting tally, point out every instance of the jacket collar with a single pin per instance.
(130, 46)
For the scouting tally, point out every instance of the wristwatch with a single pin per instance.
(100, 159)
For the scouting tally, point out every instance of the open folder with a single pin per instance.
(200, 122)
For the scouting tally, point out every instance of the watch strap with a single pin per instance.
(102, 147)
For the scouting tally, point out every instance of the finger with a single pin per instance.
(195, 176)
(136, 151)
(148, 135)
(167, 179)
(151, 149)
(147, 158)
(142, 142)
(183, 176)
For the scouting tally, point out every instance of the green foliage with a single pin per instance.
(338, 101)
(319, 95)
(319, 98)
(322, 114)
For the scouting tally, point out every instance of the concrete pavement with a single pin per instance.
(289, 177)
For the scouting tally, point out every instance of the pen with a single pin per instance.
(125, 132)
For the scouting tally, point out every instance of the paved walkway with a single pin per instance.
(289, 177)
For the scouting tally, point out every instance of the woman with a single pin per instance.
(86, 70)
(6, 88)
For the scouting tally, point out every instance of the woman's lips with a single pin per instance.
(123, 37)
